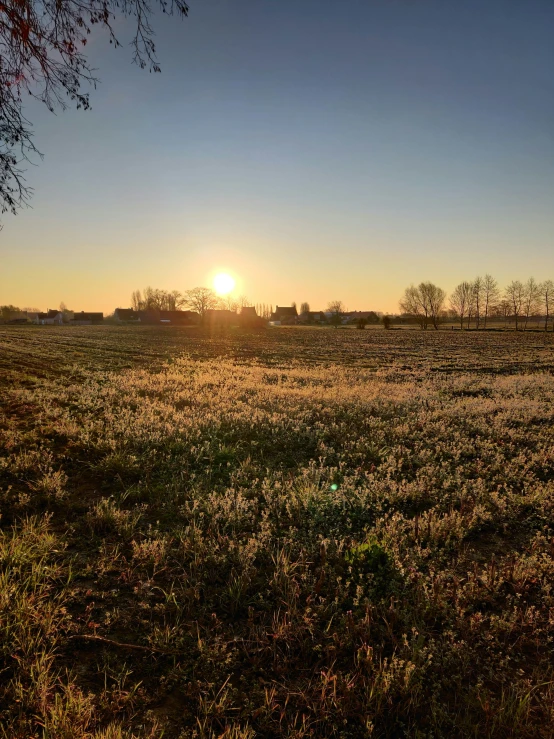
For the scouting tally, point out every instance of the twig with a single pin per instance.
(121, 645)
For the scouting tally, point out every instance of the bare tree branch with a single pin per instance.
(41, 55)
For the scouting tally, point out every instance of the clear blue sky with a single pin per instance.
(316, 150)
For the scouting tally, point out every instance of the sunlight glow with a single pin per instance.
(223, 283)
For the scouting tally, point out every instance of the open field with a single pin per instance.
(287, 534)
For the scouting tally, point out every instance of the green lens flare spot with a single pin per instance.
(334, 486)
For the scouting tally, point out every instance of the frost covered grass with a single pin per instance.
(290, 534)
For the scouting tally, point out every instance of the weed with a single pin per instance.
(290, 534)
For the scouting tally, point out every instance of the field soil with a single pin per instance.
(290, 533)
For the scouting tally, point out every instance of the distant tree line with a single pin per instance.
(198, 299)
(7, 311)
(479, 302)
(13, 312)
(153, 299)
(473, 303)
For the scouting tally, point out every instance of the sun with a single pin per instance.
(223, 283)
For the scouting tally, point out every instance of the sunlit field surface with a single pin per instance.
(294, 533)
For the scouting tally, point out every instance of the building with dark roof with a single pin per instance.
(181, 317)
(86, 319)
(248, 318)
(284, 314)
(174, 317)
(369, 316)
(125, 315)
(219, 318)
(312, 316)
(50, 318)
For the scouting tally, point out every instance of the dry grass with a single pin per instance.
(291, 534)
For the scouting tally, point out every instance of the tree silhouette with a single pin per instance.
(41, 55)
(424, 302)
(201, 299)
(460, 300)
(490, 295)
(154, 299)
(478, 288)
(531, 299)
(336, 308)
(547, 293)
(515, 295)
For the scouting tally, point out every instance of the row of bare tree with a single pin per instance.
(480, 301)
(264, 310)
(199, 300)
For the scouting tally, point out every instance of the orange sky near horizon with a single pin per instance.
(103, 279)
